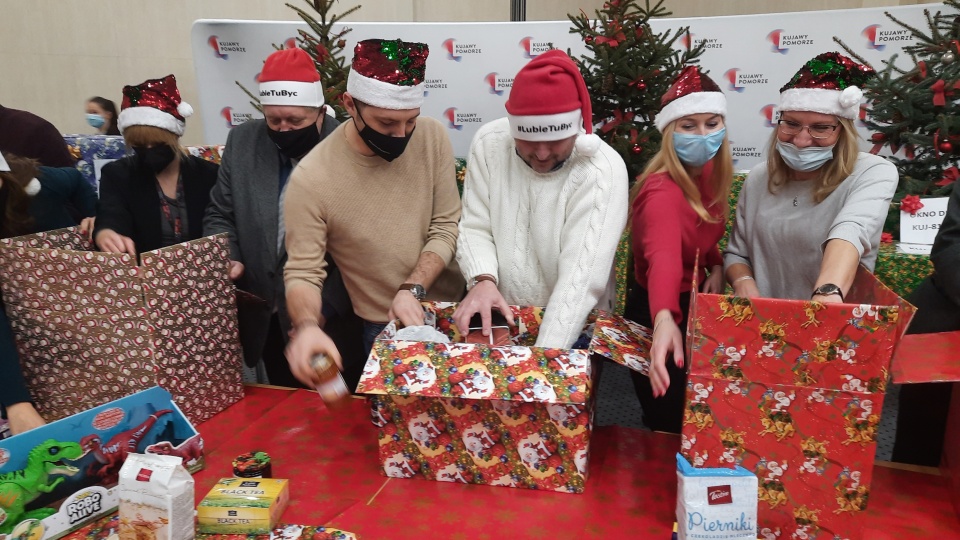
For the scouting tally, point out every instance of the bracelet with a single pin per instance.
(741, 278)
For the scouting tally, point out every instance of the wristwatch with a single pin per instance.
(482, 277)
(828, 289)
(415, 289)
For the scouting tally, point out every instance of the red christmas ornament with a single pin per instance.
(588, 40)
(945, 147)
(636, 149)
(640, 85)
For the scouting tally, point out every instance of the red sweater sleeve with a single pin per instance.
(656, 236)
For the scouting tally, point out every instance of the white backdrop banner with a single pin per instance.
(471, 65)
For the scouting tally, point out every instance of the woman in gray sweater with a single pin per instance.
(815, 210)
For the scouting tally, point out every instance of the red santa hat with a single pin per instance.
(549, 102)
(289, 77)
(154, 103)
(692, 92)
(388, 73)
(829, 83)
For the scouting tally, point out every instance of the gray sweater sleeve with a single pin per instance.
(861, 217)
(737, 250)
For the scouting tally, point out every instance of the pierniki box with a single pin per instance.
(92, 327)
(243, 506)
(792, 390)
(78, 482)
(516, 415)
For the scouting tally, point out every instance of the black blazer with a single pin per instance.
(129, 203)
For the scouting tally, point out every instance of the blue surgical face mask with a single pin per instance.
(95, 120)
(806, 159)
(697, 150)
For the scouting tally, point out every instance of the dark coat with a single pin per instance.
(938, 297)
(129, 203)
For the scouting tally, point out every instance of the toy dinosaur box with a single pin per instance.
(92, 327)
(792, 391)
(513, 415)
(57, 477)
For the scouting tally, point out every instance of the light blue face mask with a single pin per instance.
(697, 150)
(806, 159)
(95, 120)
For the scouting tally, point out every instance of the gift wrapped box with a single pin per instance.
(792, 391)
(92, 152)
(513, 415)
(92, 327)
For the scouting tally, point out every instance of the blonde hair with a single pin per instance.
(666, 160)
(835, 171)
(149, 135)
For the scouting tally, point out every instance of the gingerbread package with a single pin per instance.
(92, 327)
(512, 415)
(792, 391)
(156, 499)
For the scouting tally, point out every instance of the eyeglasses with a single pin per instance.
(817, 131)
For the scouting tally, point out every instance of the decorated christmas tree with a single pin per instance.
(913, 109)
(630, 67)
(325, 46)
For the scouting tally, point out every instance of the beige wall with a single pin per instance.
(54, 54)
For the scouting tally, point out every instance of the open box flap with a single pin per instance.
(922, 358)
(623, 341)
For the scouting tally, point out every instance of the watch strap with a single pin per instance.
(482, 277)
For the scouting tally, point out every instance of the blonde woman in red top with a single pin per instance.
(678, 208)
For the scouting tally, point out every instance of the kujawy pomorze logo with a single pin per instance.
(719, 495)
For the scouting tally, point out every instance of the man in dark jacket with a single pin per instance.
(247, 203)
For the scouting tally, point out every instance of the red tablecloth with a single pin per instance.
(330, 458)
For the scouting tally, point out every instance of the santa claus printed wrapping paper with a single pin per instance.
(792, 391)
(516, 415)
(92, 327)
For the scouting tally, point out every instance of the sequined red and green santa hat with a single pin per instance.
(549, 101)
(388, 73)
(156, 103)
(830, 83)
(692, 92)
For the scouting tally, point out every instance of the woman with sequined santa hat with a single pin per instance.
(678, 208)
(156, 197)
(810, 215)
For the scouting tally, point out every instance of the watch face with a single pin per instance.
(827, 289)
(418, 292)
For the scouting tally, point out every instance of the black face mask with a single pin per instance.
(297, 142)
(385, 146)
(154, 159)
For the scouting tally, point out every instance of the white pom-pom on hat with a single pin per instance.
(32, 187)
(850, 96)
(185, 109)
(588, 144)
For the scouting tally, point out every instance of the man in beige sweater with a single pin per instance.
(380, 195)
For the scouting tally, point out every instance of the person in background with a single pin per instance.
(156, 197)
(544, 206)
(922, 415)
(27, 135)
(32, 199)
(102, 116)
(679, 207)
(247, 203)
(380, 195)
(809, 216)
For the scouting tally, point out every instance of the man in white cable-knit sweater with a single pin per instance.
(544, 206)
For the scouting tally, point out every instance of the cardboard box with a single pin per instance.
(517, 415)
(92, 327)
(243, 506)
(90, 448)
(792, 391)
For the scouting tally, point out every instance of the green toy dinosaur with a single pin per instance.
(19, 488)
